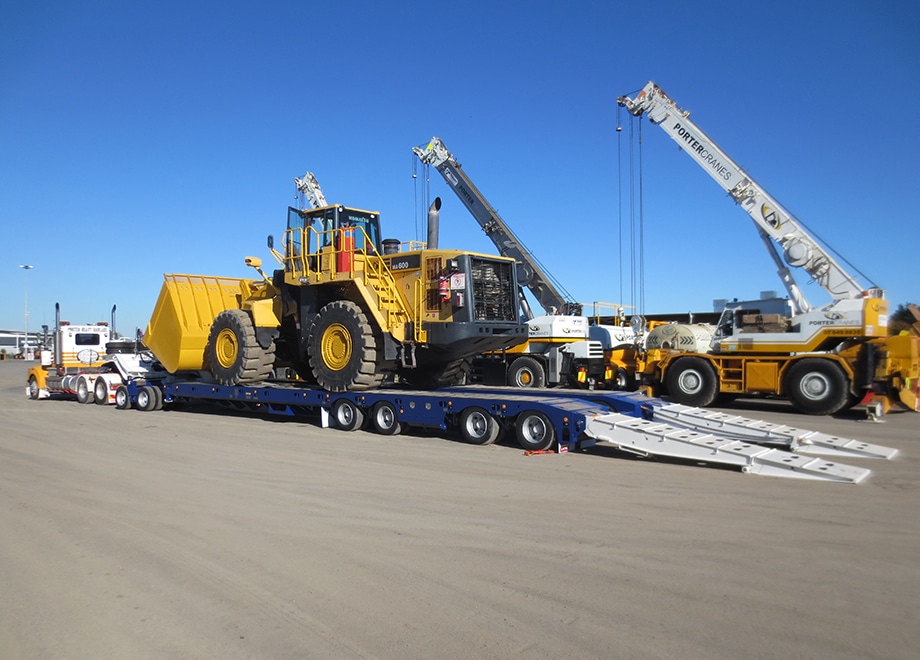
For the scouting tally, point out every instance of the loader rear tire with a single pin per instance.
(693, 382)
(448, 374)
(343, 349)
(233, 354)
(817, 386)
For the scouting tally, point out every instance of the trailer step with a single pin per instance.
(759, 431)
(655, 438)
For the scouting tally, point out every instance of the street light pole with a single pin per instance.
(25, 349)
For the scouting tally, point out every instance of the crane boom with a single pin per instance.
(309, 186)
(529, 271)
(798, 247)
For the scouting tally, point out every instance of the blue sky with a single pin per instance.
(141, 138)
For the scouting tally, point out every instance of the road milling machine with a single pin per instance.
(821, 358)
(346, 310)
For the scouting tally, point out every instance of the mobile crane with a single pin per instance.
(823, 358)
(559, 350)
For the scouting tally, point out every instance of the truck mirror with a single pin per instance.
(271, 242)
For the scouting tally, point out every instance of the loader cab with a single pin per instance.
(310, 230)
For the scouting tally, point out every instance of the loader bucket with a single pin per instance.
(178, 330)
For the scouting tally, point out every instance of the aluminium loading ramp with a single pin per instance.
(645, 426)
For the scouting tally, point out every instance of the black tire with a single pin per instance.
(621, 380)
(233, 353)
(122, 400)
(346, 415)
(343, 349)
(692, 381)
(478, 427)
(33, 388)
(158, 394)
(147, 398)
(84, 393)
(385, 419)
(101, 391)
(817, 386)
(535, 432)
(526, 371)
(432, 377)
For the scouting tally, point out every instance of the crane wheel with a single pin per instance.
(526, 371)
(535, 431)
(692, 381)
(478, 427)
(233, 353)
(817, 386)
(343, 349)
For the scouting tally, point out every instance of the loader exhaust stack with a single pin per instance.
(434, 222)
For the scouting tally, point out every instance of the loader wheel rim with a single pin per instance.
(226, 348)
(336, 347)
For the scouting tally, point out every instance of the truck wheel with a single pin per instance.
(385, 419)
(122, 400)
(535, 432)
(343, 349)
(526, 372)
(33, 388)
(817, 386)
(84, 393)
(347, 415)
(233, 354)
(146, 398)
(693, 382)
(101, 391)
(478, 427)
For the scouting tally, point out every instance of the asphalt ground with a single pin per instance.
(192, 534)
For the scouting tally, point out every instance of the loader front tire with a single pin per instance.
(343, 349)
(233, 353)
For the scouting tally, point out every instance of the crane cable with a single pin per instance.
(636, 224)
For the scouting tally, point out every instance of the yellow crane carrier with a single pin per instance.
(823, 358)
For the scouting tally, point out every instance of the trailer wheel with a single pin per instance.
(343, 349)
(233, 354)
(84, 393)
(478, 427)
(535, 431)
(147, 398)
(33, 388)
(385, 419)
(817, 386)
(101, 391)
(526, 372)
(347, 415)
(692, 381)
(122, 400)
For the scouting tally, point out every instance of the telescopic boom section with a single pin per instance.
(529, 272)
(799, 248)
